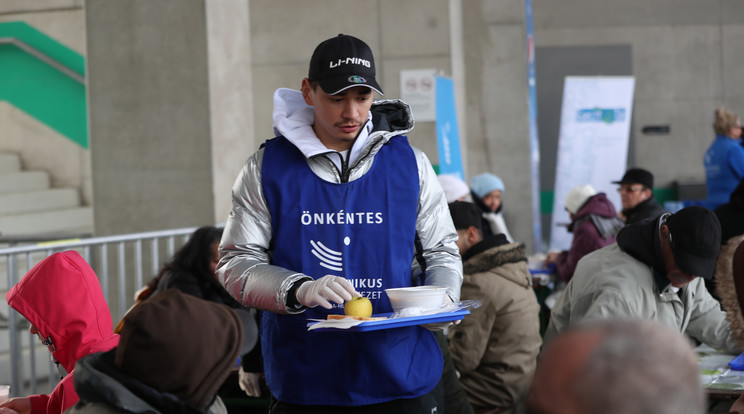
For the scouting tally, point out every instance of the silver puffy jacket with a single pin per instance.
(244, 267)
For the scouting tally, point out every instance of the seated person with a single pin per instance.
(637, 197)
(594, 224)
(166, 362)
(655, 271)
(63, 301)
(487, 190)
(496, 346)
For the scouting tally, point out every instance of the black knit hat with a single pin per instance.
(637, 176)
(343, 62)
(465, 214)
(696, 240)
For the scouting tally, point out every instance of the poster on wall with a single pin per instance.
(592, 143)
(418, 89)
(448, 137)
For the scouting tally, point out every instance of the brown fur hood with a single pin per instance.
(730, 285)
(496, 257)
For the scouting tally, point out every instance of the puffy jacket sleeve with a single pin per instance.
(244, 267)
(436, 232)
(708, 322)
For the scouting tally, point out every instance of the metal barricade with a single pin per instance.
(121, 263)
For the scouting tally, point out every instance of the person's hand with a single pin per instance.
(18, 405)
(440, 326)
(550, 258)
(325, 290)
(250, 382)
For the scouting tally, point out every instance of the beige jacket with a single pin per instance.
(610, 283)
(495, 347)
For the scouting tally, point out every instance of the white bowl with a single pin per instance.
(426, 297)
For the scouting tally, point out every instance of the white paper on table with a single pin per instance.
(344, 323)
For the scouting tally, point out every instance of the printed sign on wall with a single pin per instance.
(592, 144)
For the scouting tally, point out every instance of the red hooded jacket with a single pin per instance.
(62, 297)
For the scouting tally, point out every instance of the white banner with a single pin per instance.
(593, 143)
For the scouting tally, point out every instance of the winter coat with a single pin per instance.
(647, 208)
(119, 393)
(731, 214)
(594, 226)
(724, 169)
(245, 268)
(628, 279)
(62, 297)
(495, 347)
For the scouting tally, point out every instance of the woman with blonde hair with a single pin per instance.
(724, 159)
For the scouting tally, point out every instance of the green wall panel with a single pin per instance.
(40, 90)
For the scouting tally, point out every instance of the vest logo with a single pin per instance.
(608, 115)
(329, 258)
(356, 79)
(350, 61)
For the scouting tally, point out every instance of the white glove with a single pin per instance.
(441, 326)
(250, 382)
(327, 288)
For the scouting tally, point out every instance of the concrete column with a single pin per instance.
(166, 110)
(230, 91)
(497, 109)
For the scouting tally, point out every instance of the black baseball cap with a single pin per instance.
(696, 240)
(637, 176)
(343, 62)
(465, 214)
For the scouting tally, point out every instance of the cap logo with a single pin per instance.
(349, 61)
(356, 79)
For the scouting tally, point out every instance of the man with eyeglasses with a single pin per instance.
(637, 197)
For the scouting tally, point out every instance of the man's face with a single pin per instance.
(676, 276)
(338, 118)
(632, 194)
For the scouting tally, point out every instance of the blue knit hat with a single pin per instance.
(485, 183)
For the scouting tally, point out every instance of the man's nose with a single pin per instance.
(351, 110)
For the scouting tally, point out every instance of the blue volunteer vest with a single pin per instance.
(364, 231)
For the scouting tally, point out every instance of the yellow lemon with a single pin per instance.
(358, 306)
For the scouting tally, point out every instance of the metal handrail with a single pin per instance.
(43, 57)
(98, 252)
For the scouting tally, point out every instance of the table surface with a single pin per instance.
(719, 380)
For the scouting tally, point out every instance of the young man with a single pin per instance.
(495, 348)
(328, 210)
(655, 271)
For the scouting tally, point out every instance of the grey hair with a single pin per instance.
(639, 367)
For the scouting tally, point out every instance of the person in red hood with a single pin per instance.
(62, 299)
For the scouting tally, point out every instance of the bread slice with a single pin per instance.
(359, 318)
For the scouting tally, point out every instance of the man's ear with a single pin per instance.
(647, 192)
(472, 234)
(306, 89)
